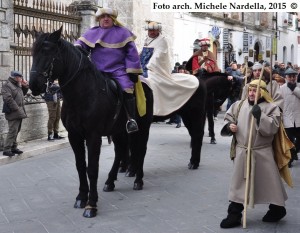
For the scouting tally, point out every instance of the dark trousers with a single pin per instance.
(175, 118)
(230, 101)
(14, 128)
(294, 135)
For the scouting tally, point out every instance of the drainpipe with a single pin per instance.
(276, 30)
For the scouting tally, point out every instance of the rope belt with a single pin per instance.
(252, 158)
(252, 148)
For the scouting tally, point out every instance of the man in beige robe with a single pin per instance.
(272, 87)
(267, 185)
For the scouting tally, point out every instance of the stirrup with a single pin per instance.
(131, 126)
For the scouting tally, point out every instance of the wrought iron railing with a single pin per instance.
(36, 16)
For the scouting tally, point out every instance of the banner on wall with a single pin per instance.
(245, 42)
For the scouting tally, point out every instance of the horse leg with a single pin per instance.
(121, 148)
(196, 143)
(139, 141)
(138, 148)
(132, 161)
(77, 144)
(124, 160)
(93, 148)
(123, 152)
(210, 117)
(124, 163)
(195, 127)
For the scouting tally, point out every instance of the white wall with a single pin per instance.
(287, 37)
(186, 30)
(298, 55)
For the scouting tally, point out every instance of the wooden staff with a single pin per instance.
(249, 153)
(246, 70)
(271, 64)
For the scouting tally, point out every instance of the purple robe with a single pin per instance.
(113, 50)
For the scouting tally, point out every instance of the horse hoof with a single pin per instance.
(90, 212)
(192, 166)
(109, 187)
(122, 170)
(79, 204)
(130, 174)
(137, 186)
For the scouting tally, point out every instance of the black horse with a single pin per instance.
(193, 114)
(92, 108)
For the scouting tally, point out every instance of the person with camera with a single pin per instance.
(13, 92)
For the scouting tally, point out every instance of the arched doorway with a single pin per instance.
(229, 55)
(257, 52)
(284, 55)
(292, 54)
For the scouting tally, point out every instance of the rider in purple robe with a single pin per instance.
(113, 50)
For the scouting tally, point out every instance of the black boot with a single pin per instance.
(294, 155)
(234, 217)
(274, 214)
(8, 153)
(213, 140)
(56, 136)
(131, 125)
(16, 151)
(50, 137)
(293, 152)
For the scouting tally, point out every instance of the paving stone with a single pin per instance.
(38, 190)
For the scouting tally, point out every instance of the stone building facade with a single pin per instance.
(258, 36)
(35, 126)
(6, 35)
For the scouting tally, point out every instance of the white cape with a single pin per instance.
(170, 91)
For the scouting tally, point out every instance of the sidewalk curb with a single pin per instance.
(31, 150)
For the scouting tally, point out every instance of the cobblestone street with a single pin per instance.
(38, 193)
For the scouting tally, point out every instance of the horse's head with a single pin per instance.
(46, 65)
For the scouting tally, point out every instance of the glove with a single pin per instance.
(292, 86)
(133, 77)
(256, 112)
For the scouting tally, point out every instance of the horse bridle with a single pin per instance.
(49, 73)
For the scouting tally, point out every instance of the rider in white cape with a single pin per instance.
(170, 91)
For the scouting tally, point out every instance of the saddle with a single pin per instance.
(115, 94)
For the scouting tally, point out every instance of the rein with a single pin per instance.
(73, 76)
(50, 73)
